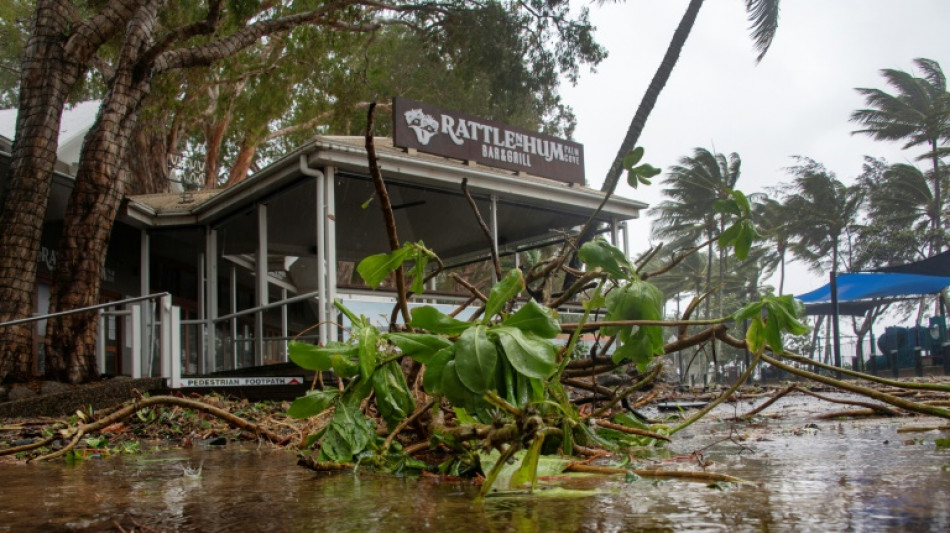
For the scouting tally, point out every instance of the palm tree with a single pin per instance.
(918, 113)
(902, 211)
(693, 187)
(772, 219)
(763, 15)
(821, 212)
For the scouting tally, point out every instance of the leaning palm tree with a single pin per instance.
(918, 113)
(822, 210)
(693, 187)
(772, 219)
(763, 16)
(901, 207)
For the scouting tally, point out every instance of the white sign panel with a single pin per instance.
(240, 382)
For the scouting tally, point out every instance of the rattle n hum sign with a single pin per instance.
(436, 131)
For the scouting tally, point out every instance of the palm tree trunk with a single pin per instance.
(938, 197)
(90, 213)
(652, 94)
(46, 81)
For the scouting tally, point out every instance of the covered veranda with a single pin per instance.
(256, 264)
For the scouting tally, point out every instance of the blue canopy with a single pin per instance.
(868, 285)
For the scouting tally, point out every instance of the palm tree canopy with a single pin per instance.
(821, 210)
(693, 186)
(919, 110)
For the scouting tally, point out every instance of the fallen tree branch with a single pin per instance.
(942, 387)
(880, 409)
(137, 405)
(631, 431)
(865, 391)
(705, 477)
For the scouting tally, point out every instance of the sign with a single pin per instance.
(240, 382)
(433, 130)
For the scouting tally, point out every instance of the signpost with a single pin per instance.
(241, 382)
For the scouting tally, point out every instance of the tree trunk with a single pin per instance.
(653, 93)
(242, 163)
(90, 213)
(46, 81)
(147, 172)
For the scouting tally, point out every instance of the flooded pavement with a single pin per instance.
(802, 474)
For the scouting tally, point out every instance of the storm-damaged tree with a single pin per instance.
(763, 16)
(918, 113)
(132, 44)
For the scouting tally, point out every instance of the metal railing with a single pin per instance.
(142, 332)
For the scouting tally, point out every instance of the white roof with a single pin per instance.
(77, 119)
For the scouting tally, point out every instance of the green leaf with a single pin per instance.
(752, 310)
(773, 335)
(632, 158)
(531, 356)
(503, 291)
(432, 378)
(728, 235)
(646, 171)
(452, 386)
(475, 359)
(343, 366)
(741, 201)
(729, 207)
(418, 274)
(755, 335)
(527, 473)
(431, 319)
(598, 253)
(312, 357)
(348, 434)
(313, 403)
(420, 346)
(368, 352)
(392, 394)
(534, 318)
(375, 268)
(744, 240)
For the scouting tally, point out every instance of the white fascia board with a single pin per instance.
(425, 171)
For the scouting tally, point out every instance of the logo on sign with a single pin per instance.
(425, 126)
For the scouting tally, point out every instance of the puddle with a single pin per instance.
(804, 475)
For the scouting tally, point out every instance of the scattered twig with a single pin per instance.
(405, 422)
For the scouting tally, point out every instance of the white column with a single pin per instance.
(260, 284)
(136, 335)
(330, 222)
(321, 232)
(283, 323)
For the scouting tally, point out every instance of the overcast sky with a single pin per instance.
(795, 102)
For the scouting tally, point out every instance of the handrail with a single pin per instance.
(292, 299)
(84, 309)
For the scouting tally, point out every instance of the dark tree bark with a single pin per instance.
(92, 207)
(56, 57)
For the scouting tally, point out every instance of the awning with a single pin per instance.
(867, 285)
(938, 265)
